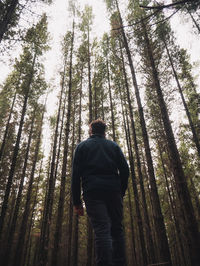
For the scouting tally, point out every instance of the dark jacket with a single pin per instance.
(100, 165)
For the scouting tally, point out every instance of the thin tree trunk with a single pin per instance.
(171, 205)
(195, 137)
(70, 221)
(7, 127)
(102, 105)
(23, 227)
(89, 79)
(110, 93)
(134, 258)
(16, 150)
(44, 242)
(18, 200)
(58, 232)
(29, 239)
(143, 259)
(76, 217)
(142, 251)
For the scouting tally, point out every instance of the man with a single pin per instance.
(100, 166)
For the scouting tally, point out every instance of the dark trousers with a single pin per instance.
(105, 211)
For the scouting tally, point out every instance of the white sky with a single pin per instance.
(59, 23)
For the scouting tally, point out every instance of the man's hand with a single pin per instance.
(79, 210)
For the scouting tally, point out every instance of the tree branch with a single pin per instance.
(169, 5)
(139, 21)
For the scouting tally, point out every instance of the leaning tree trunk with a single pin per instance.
(134, 257)
(23, 227)
(194, 133)
(44, 238)
(58, 231)
(26, 255)
(157, 213)
(7, 127)
(9, 243)
(16, 150)
(181, 183)
(178, 233)
(150, 245)
(143, 258)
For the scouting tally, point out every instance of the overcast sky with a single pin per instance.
(59, 23)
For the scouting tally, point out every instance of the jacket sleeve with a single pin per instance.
(76, 177)
(123, 170)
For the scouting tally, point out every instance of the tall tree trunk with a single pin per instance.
(157, 213)
(8, 249)
(102, 105)
(181, 183)
(7, 127)
(89, 228)
(89, 78)
(26, 255)
(194, 133)
(110, 93)
(16, 150)
(134, 257)
(143, 258)
(58, 232)
(178, 235)
(44, 242)
(76, 217)
(150, 245)
(7, 18)
(70, 221)
(23, 227)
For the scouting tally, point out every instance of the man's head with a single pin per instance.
(97, 127)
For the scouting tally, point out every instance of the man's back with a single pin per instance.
(101, 165)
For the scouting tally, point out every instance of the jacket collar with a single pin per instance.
(97, 135)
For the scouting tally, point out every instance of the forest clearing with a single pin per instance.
(134, 66)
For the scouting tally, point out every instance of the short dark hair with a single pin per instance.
(98, 126)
